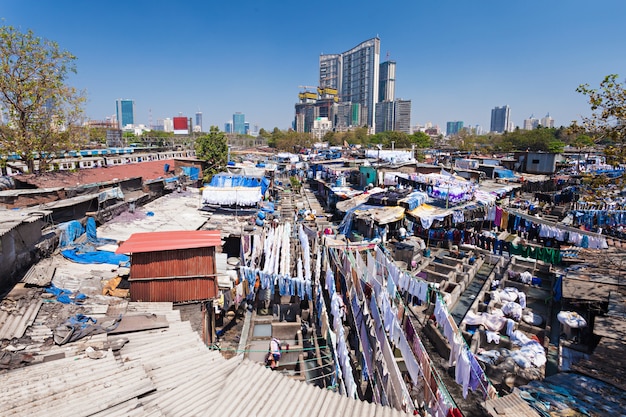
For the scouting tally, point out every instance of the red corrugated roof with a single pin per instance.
(148, 170)
(161, 241)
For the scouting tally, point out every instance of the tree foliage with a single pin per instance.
(42, 111)
(290, 140)
(213, 149)
(607, 122)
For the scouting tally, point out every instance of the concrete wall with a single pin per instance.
(18, 250)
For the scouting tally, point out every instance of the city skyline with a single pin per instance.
(499, 57)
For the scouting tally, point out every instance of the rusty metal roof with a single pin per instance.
(162, 241)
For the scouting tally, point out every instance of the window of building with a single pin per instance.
(535, 161)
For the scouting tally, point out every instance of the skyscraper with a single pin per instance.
(125, 112)
(547, 121)
(501, 119)
(198, 125)
(393, 115)
(354, 74)
(402, 116)
(239, 123)
(452, 128)
(387, 81)
(531, 123)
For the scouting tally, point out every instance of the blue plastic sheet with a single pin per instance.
(65, 296)
(95, 257)
(193, 173)
(504, 173)
(87, 253)
(70, 231)
(228, 180)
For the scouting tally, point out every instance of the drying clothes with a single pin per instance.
(492, 337)
(509, 294)
(512, 310)
(492, 322)
(462, 371)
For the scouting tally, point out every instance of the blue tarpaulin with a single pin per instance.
(70, 231)
(192, 172)
(86, 252)
(504, 173)
(228, 180)
(95, 257)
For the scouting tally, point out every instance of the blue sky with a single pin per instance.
(456, 60)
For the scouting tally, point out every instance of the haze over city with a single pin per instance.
(455, 60)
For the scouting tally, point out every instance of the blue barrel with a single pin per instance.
(427, 253)
(166, 168)
(261, 215)
(259, 222)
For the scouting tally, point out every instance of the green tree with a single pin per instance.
(421, 140)
(213, 149)
(608, 119)
(43, 111)
(292, 141)
(97, 134)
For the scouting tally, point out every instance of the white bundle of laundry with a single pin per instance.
(228, 196)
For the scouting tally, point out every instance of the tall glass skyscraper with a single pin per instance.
(393, 115)
(452, 128)
(354, 74)
(501, 119)
(387, 81)
(125, 112)
(239, 123)
(198, 121)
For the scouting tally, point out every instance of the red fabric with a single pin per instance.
(454, 412)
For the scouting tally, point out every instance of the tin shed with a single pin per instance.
(175, 266)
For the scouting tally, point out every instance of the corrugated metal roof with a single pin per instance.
(68, 202)
(40, 274)
(166, 371)
(12, 193)
(76, 386)
(10, 219)
(17, 312)
(511, 405)
(162, 241)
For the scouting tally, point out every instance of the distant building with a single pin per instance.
(501, 119)
(531, 123)
(314, 105)
(354, 74)
(547, 121)
(387, 81)
(239, 123)
(452, 128)
(321, 126)
(125, 112)
(537, 162)
(432, 130)
(348, 116)
(181, 125)
(198, 126)
(228, 127)
(168, 125)
(393, 115)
